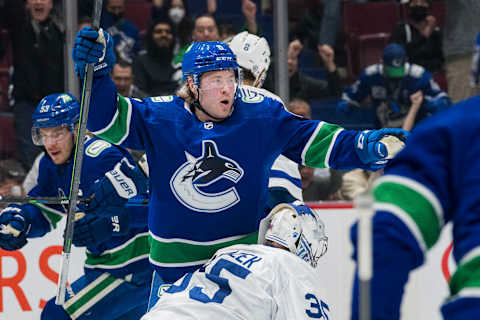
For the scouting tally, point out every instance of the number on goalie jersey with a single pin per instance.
(257, 281)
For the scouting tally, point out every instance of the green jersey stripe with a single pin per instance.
(406, 219)
(414, 204)
(316, 152)
(85, 299)
(121, 256)
(118, 129)
(467, 275)
(472, 254)
(191, 252)
(52, 216)
(421, 189)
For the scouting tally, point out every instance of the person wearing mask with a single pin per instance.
(125, 33)
(421, 37)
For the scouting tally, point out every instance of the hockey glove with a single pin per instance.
(93, 46)
(14, 228)
(111, 193)
(375, 147)
(93, 230)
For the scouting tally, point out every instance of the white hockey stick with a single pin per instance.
(364, 206)
(77, 171)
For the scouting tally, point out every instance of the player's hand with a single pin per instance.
(375, 147)
(93, 46)
(110, 194)
(14, 228)
(416, 99)
(92, 229)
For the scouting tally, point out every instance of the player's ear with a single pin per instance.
(192, 87)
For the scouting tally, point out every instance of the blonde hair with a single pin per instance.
(185, 93)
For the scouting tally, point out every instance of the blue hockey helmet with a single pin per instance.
(203, 57)
(61, 109)
(298, 229)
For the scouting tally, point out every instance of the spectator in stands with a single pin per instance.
(420, 36)
(38, 71)
(391, 86)
(317, 27)
(204, 29)
(306, 87)
(153, 69)
(122, 76)
(461, 27)
(12, 19)
(12, 174)
(125, 33)
(177, 12)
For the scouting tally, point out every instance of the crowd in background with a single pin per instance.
(341, 65)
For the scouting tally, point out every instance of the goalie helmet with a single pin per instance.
(253, 54)
(297, 228)
(55, 110)
(203, 57)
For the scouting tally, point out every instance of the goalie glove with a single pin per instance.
(93, 46)
(376, 147)
(14, 228)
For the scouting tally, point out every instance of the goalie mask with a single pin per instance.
(297, 228)
(53, 111)
(253, 54)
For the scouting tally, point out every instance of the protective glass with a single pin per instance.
(54, 136)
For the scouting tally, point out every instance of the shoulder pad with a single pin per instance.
(373, 69)
(416, 71)
(95, 148)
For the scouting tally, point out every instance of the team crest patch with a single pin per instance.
(253, 99)
(94, 149)
(187, 182)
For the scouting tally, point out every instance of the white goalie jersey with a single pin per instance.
(246, 282)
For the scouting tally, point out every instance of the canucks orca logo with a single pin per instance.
(204, 171)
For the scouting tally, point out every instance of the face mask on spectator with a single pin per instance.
(117, 17)
(176, 14)
(418, 13)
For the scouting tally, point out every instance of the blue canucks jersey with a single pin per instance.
(372, 83)
(119, 255)
(208, 181)
(434, 180)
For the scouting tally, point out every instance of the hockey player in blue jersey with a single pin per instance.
(117, 275)
(210, 149)
(390, 84)
(433, 181)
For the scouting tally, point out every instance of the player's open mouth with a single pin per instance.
(225, 102)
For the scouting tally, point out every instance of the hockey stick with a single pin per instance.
(40, 200)
(364, 207)
(77, 165)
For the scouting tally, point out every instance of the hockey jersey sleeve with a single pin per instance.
(358, 91)
(435, 99)
(314, 143)
(113, 117)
